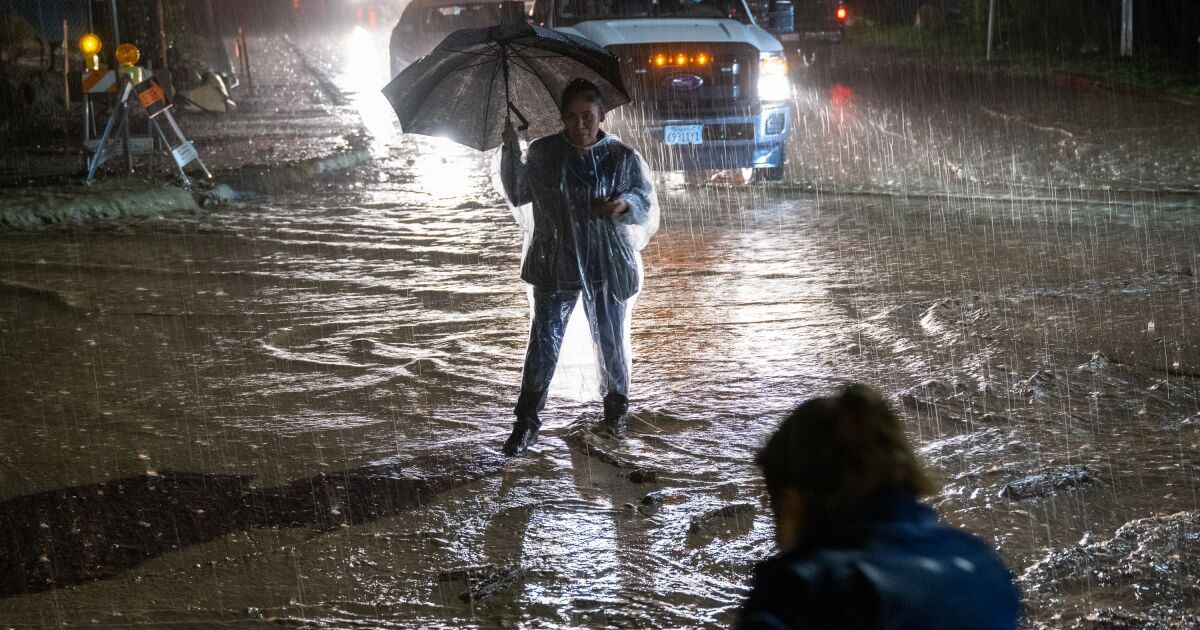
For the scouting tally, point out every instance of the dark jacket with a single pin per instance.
(894, 567)
(569, 245)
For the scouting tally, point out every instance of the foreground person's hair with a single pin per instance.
(839, 452)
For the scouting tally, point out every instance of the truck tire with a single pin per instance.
(696, 178)
(769, 174)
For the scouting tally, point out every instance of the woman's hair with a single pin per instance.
(840, 451)
(581, 89)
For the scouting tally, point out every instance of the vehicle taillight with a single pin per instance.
(841, 13)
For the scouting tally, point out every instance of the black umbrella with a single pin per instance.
(467, 88)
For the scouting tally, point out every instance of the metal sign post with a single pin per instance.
(991, 27)
(66, 53)
(1126, 28)
(116, 27)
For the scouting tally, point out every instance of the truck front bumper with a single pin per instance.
(750, 140)
(812, 38)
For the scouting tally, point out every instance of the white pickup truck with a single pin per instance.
(710, 87)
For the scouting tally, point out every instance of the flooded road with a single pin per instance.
(291, 409)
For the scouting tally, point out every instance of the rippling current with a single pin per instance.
(1042, 350)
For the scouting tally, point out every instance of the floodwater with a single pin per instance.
(290, 410)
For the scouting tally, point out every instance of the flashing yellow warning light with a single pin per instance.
(681, 60)
(702, 59)
(89, 44)
(128, 55)
(660, 60)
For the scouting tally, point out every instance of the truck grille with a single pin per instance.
(672, 90)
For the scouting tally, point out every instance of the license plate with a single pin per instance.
(684, 134)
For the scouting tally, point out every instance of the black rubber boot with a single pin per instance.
(524, 435)
(615, 407)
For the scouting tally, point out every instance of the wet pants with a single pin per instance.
(551, 310)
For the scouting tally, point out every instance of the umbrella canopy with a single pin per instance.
(469, 85)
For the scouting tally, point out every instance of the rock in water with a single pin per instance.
(1142, 577)
(490, 585)
(1049, 480)
(710, 519)
(471, 573)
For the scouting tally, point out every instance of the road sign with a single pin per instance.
(151, 95)
(184, 154)
(99, 81)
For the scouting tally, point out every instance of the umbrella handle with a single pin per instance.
(524, 123)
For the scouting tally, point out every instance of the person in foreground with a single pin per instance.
(593, 207)
(856, 549)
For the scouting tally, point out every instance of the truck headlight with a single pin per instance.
(773, 83)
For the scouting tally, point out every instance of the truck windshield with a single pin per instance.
(571, 12)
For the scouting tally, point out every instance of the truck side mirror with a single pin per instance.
(781, 17)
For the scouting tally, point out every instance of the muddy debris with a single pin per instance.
(1177, 270)
(1039, 385)
(580, 436)
(642, 475)
(714, 519)
(1098, 363)
(1118, 619)
(469, 573)
(1048, 481)
(932, 394)
(650, 504)
(1151, 562)
(1189, 422)
(654, 499)
(492, 584)
(964, 445)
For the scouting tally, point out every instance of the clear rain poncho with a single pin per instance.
(572, 258)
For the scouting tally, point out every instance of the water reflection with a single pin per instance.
(81, 533)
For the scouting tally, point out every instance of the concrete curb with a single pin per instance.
(1059, 78)
(1078, 81)
(37, 207)
(258, 178)
(40, 208)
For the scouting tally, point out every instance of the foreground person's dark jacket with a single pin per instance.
(894, 567)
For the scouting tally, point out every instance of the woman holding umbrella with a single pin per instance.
(584, 198)
(593, 208)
